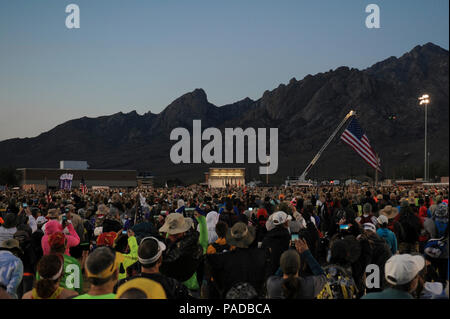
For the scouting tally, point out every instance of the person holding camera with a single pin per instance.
(66, 227)
(291, 285)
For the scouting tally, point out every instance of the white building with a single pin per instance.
(73, 165)
(223, 177)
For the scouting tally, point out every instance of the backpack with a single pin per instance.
(367, 219)
(441, 219)
(340, 284)
(221, 248)
(437, 248)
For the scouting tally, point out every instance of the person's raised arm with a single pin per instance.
(72, 237)
(302, 247)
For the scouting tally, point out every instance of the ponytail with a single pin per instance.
(291, 287)
(45, 287)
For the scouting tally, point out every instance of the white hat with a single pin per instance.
(41, 220)
(370, 226)
(434, 288)
(279, 218)
(401, 269)
(98, 231)
(382, 220)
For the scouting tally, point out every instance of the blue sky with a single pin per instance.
(141, 55)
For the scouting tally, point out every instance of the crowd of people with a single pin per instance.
(337, 242)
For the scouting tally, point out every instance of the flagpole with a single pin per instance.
(376, 173)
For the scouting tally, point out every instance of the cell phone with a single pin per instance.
(250, 209)
(120, 193)
(344, 227)
(64, 218)
(24, 205)
(124, 232)
(294, 237)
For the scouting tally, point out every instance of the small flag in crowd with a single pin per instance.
(357, 139)
(47, 192)
(83, 186)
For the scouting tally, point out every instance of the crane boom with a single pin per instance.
(324, 146)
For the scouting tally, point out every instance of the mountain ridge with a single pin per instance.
(306, 111)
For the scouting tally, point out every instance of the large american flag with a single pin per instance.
(357, 139)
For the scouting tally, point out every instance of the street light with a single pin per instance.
(425, 100)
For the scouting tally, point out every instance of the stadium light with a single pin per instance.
(425, 100)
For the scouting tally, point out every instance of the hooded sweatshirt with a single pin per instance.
(211, 221)
(54, 226)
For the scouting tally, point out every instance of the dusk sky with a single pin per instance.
(141, 55)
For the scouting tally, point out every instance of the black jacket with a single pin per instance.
(111, 225)
(182, 258)
(411, 226)
(277, 240)
(229, 218)
(251, 265)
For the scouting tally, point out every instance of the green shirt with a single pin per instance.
(130, 258)
(88, 296)
(203, 229)
(72, 278)
(389, 293)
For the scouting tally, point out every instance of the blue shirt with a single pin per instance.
(11, 271)
(389, 237)
(389, 293)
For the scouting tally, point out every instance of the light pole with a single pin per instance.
(425, 99)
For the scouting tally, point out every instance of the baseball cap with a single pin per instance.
(370, 226)
(279, 218)
(401, 269)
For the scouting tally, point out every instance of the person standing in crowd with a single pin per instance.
(72, 268)
(53, 226)
(238, 265)
(11, 267)
(378, 250)
(77, 223)
(150, 258)
(260, 224)
(36, 237)
(220, 245)
(211, 220)
(387, 234)
(124, 244)
(367, 216)
(183, 253)
(291, 285)
(370, 199)
(342, 276)
(412, 227)
(228, 215)
(102, 267)
(51, 268)
(8, 228)
(28, 257)
(278, 238)
(402, 273)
